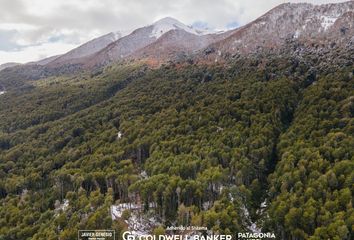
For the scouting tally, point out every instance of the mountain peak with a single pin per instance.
(167, 20)
(167, 24)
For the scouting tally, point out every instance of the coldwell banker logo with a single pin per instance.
(245, 235)
(129, 236)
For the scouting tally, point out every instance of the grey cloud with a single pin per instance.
(6, 40)
(15, 11)
(108, 15)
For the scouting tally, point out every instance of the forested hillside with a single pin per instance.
(222, 146)
(312, 186)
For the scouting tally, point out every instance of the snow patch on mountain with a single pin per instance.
(117, 210)
(61, 207)
(116, 35)
(252, 226)
(206, 31)
(297, 34)
(327, 22)
(119, 135)
(139, 223)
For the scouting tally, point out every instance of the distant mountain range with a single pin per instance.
(314, 26)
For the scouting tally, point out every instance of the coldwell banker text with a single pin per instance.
(249, 236)
(130, 236)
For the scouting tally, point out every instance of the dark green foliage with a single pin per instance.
(198, 143)
(312, 185)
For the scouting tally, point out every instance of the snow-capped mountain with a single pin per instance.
(168, 39)
(306, 23)
(125, 47)
(167, 24)
(176, 44)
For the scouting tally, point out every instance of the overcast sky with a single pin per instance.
(34, 29)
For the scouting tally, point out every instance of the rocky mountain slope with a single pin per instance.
(45, 61)
(312, 25)
(7, 65)
(86, 49)
(176, 46)
(131, 46)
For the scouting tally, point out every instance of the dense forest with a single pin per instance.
(222, 146)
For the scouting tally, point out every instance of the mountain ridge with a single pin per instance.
(316, 26)
(290, 21)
